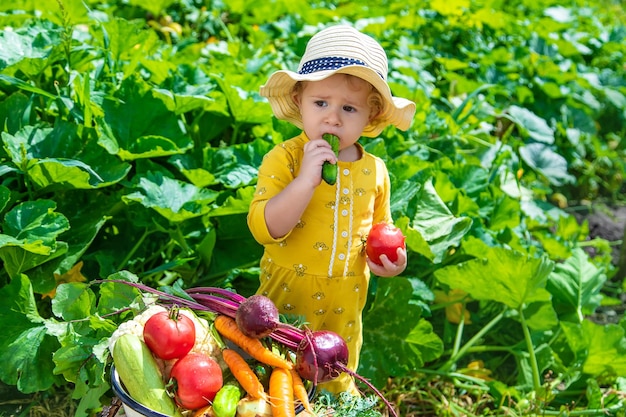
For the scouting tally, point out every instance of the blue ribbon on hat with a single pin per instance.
(330, 63)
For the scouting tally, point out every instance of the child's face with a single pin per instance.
(336, 105)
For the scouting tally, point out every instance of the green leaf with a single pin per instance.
(173, 199)
(437, 225)
(139, 124)
(74, 301)
(499, 274)
(25, 346)
(31, 48)
(505, 214)
(385, 349)
(575, 285)
(531, 124)
(426, 344)
(115, 296)
(602, 348)
(544, 160)
(235, 204)
(243, 102)
(58, 158)
(31, 229)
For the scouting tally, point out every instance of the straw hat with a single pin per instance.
(340, 49)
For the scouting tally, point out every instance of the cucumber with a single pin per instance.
(329, 171)
(140, 374)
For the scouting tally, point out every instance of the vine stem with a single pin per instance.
(130, 253)
(470, 343)
(531, 351)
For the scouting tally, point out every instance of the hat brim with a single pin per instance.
(396, 111)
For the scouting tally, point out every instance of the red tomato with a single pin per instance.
(198, 378)
(384, 239)
(169, 334)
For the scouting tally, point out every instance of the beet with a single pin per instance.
(257, 316)
(321, 356)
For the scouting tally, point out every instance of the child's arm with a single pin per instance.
(388, 268)
(284, 210)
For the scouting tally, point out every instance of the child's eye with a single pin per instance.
(320, 103)
(349, 109)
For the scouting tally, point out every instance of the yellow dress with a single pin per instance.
(318, 270)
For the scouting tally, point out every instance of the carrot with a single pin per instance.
(281, 393)
(244, 374)
(299, 391)
(227, 327)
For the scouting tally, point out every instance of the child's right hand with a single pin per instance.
(316, 152)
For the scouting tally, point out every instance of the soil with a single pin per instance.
(609, 223)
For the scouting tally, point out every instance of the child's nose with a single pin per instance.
(333, 117)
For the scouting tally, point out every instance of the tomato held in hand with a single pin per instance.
(169, 334)
(197, 378)
(384, 239)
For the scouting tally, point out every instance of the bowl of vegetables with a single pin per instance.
(217, 373)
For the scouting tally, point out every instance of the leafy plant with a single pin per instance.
(132, 134)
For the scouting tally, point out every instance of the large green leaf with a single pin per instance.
(57, 158)
(575, 285)
(547, 162)
(25, 346)
(437, 225)
(385, 348)
(29, 236)
(173, 199)
(499, 274)
(601, 347)
(140, 125)
(31, 48)
(530, 124)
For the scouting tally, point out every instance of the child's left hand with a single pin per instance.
(388, 268)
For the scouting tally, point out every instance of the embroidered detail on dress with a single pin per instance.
(319, 312)
(320, 246)
(300, 224)
(288, 307)
(366, 171)
(357, 288)
(285, 287)
(345, 200)
(261, 191)
(350, 323)
(300, 269)
(360, 192)
(338, 310)
(318, 295)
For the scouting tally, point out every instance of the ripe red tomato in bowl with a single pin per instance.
(197, 377)
(384, 239)
(169, 334)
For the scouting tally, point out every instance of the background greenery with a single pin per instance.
(131, 136)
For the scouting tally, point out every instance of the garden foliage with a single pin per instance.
(131, 136)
